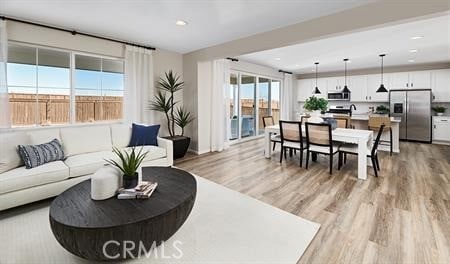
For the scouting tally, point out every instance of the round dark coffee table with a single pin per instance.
(83, 226)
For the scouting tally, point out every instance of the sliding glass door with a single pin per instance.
(251, 98)
(247, 100)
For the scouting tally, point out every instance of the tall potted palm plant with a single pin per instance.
(164, 102)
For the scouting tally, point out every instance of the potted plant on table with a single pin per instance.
(315, 105)
(129, 164)
(440, 110)
(176, 116)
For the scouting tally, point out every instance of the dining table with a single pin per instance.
(362, 138)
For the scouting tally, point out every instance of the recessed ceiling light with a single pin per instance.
(313, 70)
(181, 23)
(413, 51)
(411, 60)
(277, 59)
(416, 37)
(297, 65)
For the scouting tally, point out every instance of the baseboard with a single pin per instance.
(198, 152)
(441, 142)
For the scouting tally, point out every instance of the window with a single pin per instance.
(40, 87)
(98, 89)
(251, 98)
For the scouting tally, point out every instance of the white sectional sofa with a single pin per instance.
(85, 148)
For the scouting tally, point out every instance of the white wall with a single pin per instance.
(163, 60)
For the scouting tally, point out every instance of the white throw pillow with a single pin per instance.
(43, 136)
(85, 139)
(121, 135)
(9, 156)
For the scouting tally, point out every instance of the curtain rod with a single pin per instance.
(73, 32)
(285, 71)
(231, 59)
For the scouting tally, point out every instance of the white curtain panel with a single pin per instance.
(139, 85)
(220, 109)
(5, 121)
(286, 97)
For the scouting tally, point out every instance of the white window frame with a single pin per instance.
(72, 105)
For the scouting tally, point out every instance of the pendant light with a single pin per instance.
(316, 90)
(382, 89)
(346, 90)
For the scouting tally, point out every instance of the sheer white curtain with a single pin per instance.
(286, 97)
(5, 120)
(220, 109)
(139, 85)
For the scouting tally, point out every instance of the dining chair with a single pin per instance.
(319, 140)
(375, 123)
(291, 138)
(342, 121)
(371, 153)
(268, 121)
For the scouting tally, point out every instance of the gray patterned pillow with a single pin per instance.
(36, 155)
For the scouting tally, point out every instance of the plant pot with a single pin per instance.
(129, 182)
(440, 114)
(315, 113)
(180, 146)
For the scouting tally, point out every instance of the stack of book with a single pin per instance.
(143, 191)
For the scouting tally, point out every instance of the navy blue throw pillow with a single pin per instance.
(144, 135)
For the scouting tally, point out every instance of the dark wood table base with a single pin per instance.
(98, 230)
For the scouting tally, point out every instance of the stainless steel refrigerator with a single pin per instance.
(414, 109)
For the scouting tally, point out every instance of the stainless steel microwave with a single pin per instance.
(338, 96)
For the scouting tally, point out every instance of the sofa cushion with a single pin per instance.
(37, 155)
(88, 163)
(22, 178)
(43, 135)
(121, 135)
(154, 152)
(80, 140)
(9, 155)
(144, 135)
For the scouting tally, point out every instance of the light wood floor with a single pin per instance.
(400, 217)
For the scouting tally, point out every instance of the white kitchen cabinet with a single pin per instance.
(304, 89)
(441, 85)
(398, 80)
(322, 84)
(358, 87)
(335, 83)
(410, 80)
(420, 80)
(373, 83)
(441, 128)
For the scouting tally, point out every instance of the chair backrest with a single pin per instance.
(291, 131)
(267, 121)
(375, 122)
(377, 140)
(342, 121)
(318, 134)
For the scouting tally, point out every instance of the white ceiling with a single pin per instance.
(153, 22)
(363, 48)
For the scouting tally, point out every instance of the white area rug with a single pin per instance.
(224, 227)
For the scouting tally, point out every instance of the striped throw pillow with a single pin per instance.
(37, 155)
